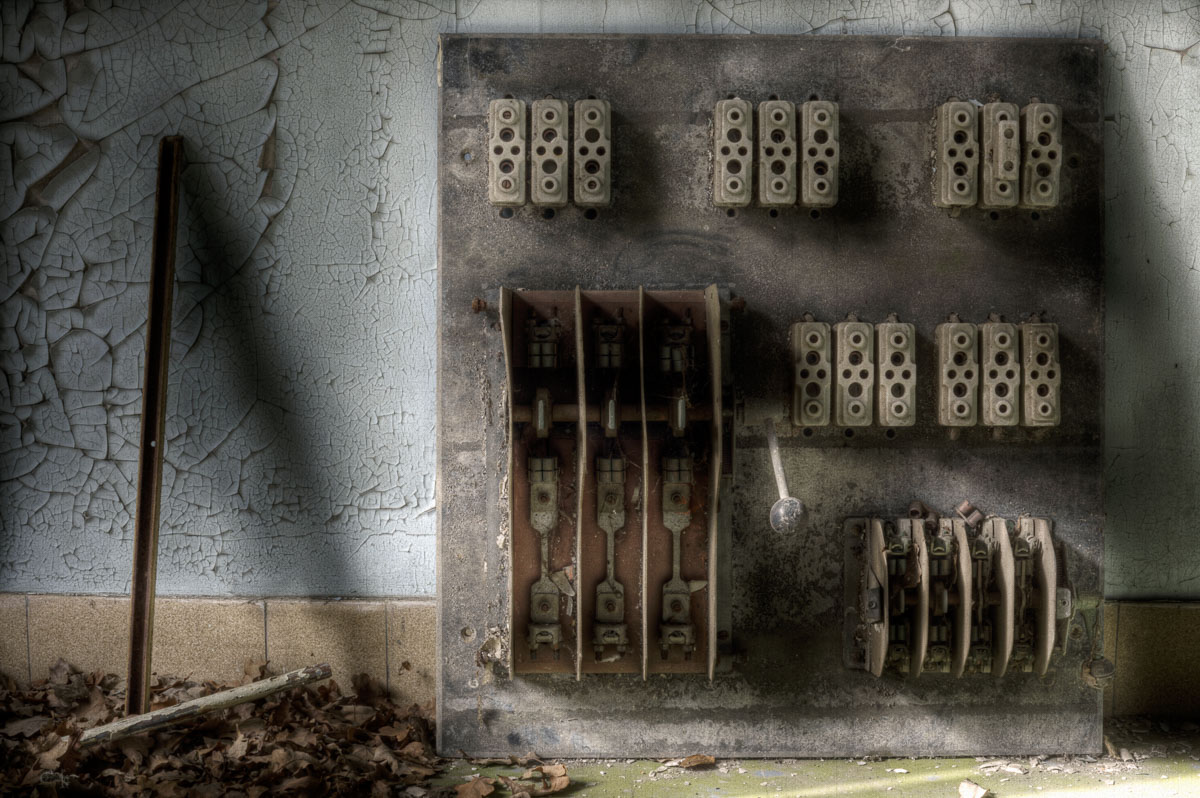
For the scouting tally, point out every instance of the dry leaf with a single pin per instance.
(969, 789)
(26, 727)
(697, 761)
(553, 777)
(51, 758)
(238, 749)
(477, 787)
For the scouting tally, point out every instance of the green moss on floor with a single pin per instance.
(1149, 759)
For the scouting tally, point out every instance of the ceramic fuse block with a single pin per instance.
(855, 351)
(593, 153)
(548, 143)
(956, 177)
(1040, 399)
(506, 153)
(1000, 366)
(958, 374)
(821, 154)
(811, 351)
(896, 346)
(732, 159)
(1041, 155)
(776, 154)
(999, 184)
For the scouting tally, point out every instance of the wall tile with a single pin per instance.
(1158, 657)
(207, 638)
(90, 632)
(14, 640)
(349, 635)
(412, 651)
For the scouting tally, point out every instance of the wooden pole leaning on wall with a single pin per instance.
(154, 409)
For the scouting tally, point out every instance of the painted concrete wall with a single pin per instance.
(301, 435)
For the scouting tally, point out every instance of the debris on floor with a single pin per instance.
(316, 739)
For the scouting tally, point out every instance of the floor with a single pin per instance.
(1146, 758)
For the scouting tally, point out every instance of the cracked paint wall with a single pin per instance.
(300, 452)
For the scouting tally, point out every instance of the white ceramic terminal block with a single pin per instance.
(999, 183)
(811, 351)
(776, 154)
(1000, 364)
(506, 153)
(821, 154)
(958, 374)
(896, 394)
(855, 348)
(593, 153)
(548, 159)
(1041, 155)
(1040, 396)
(956, 176)
(733, 161)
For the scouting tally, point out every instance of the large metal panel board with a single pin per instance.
(883, 249)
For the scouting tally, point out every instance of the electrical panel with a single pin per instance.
(745, 445)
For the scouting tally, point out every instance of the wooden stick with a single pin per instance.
(167, 716)
(154, 415)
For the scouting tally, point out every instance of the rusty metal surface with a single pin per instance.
(883, 249)
(154, 417)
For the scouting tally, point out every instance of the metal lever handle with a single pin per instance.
(786, 513)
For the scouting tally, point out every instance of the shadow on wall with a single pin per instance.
(1152, 326)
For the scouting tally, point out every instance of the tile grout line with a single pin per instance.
(1116, 649)
(28, 646)
(387, 665)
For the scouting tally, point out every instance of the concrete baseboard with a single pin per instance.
(391, 640)
(1155, 645)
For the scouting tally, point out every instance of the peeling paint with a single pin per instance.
(300, 453)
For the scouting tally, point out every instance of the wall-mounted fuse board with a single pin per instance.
(685, 281)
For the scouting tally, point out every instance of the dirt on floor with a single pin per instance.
(323, 740)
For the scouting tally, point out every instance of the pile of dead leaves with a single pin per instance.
(313, 740)
(546, 780)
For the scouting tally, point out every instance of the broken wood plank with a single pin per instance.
(167, 716)
(154, 411)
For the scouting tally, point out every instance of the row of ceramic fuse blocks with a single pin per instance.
(784, 142)
(1018, 162)
(951, 596)
(543, 143)
(996, 373)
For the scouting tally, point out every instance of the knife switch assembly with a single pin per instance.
(615, 463)
(964, 595)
